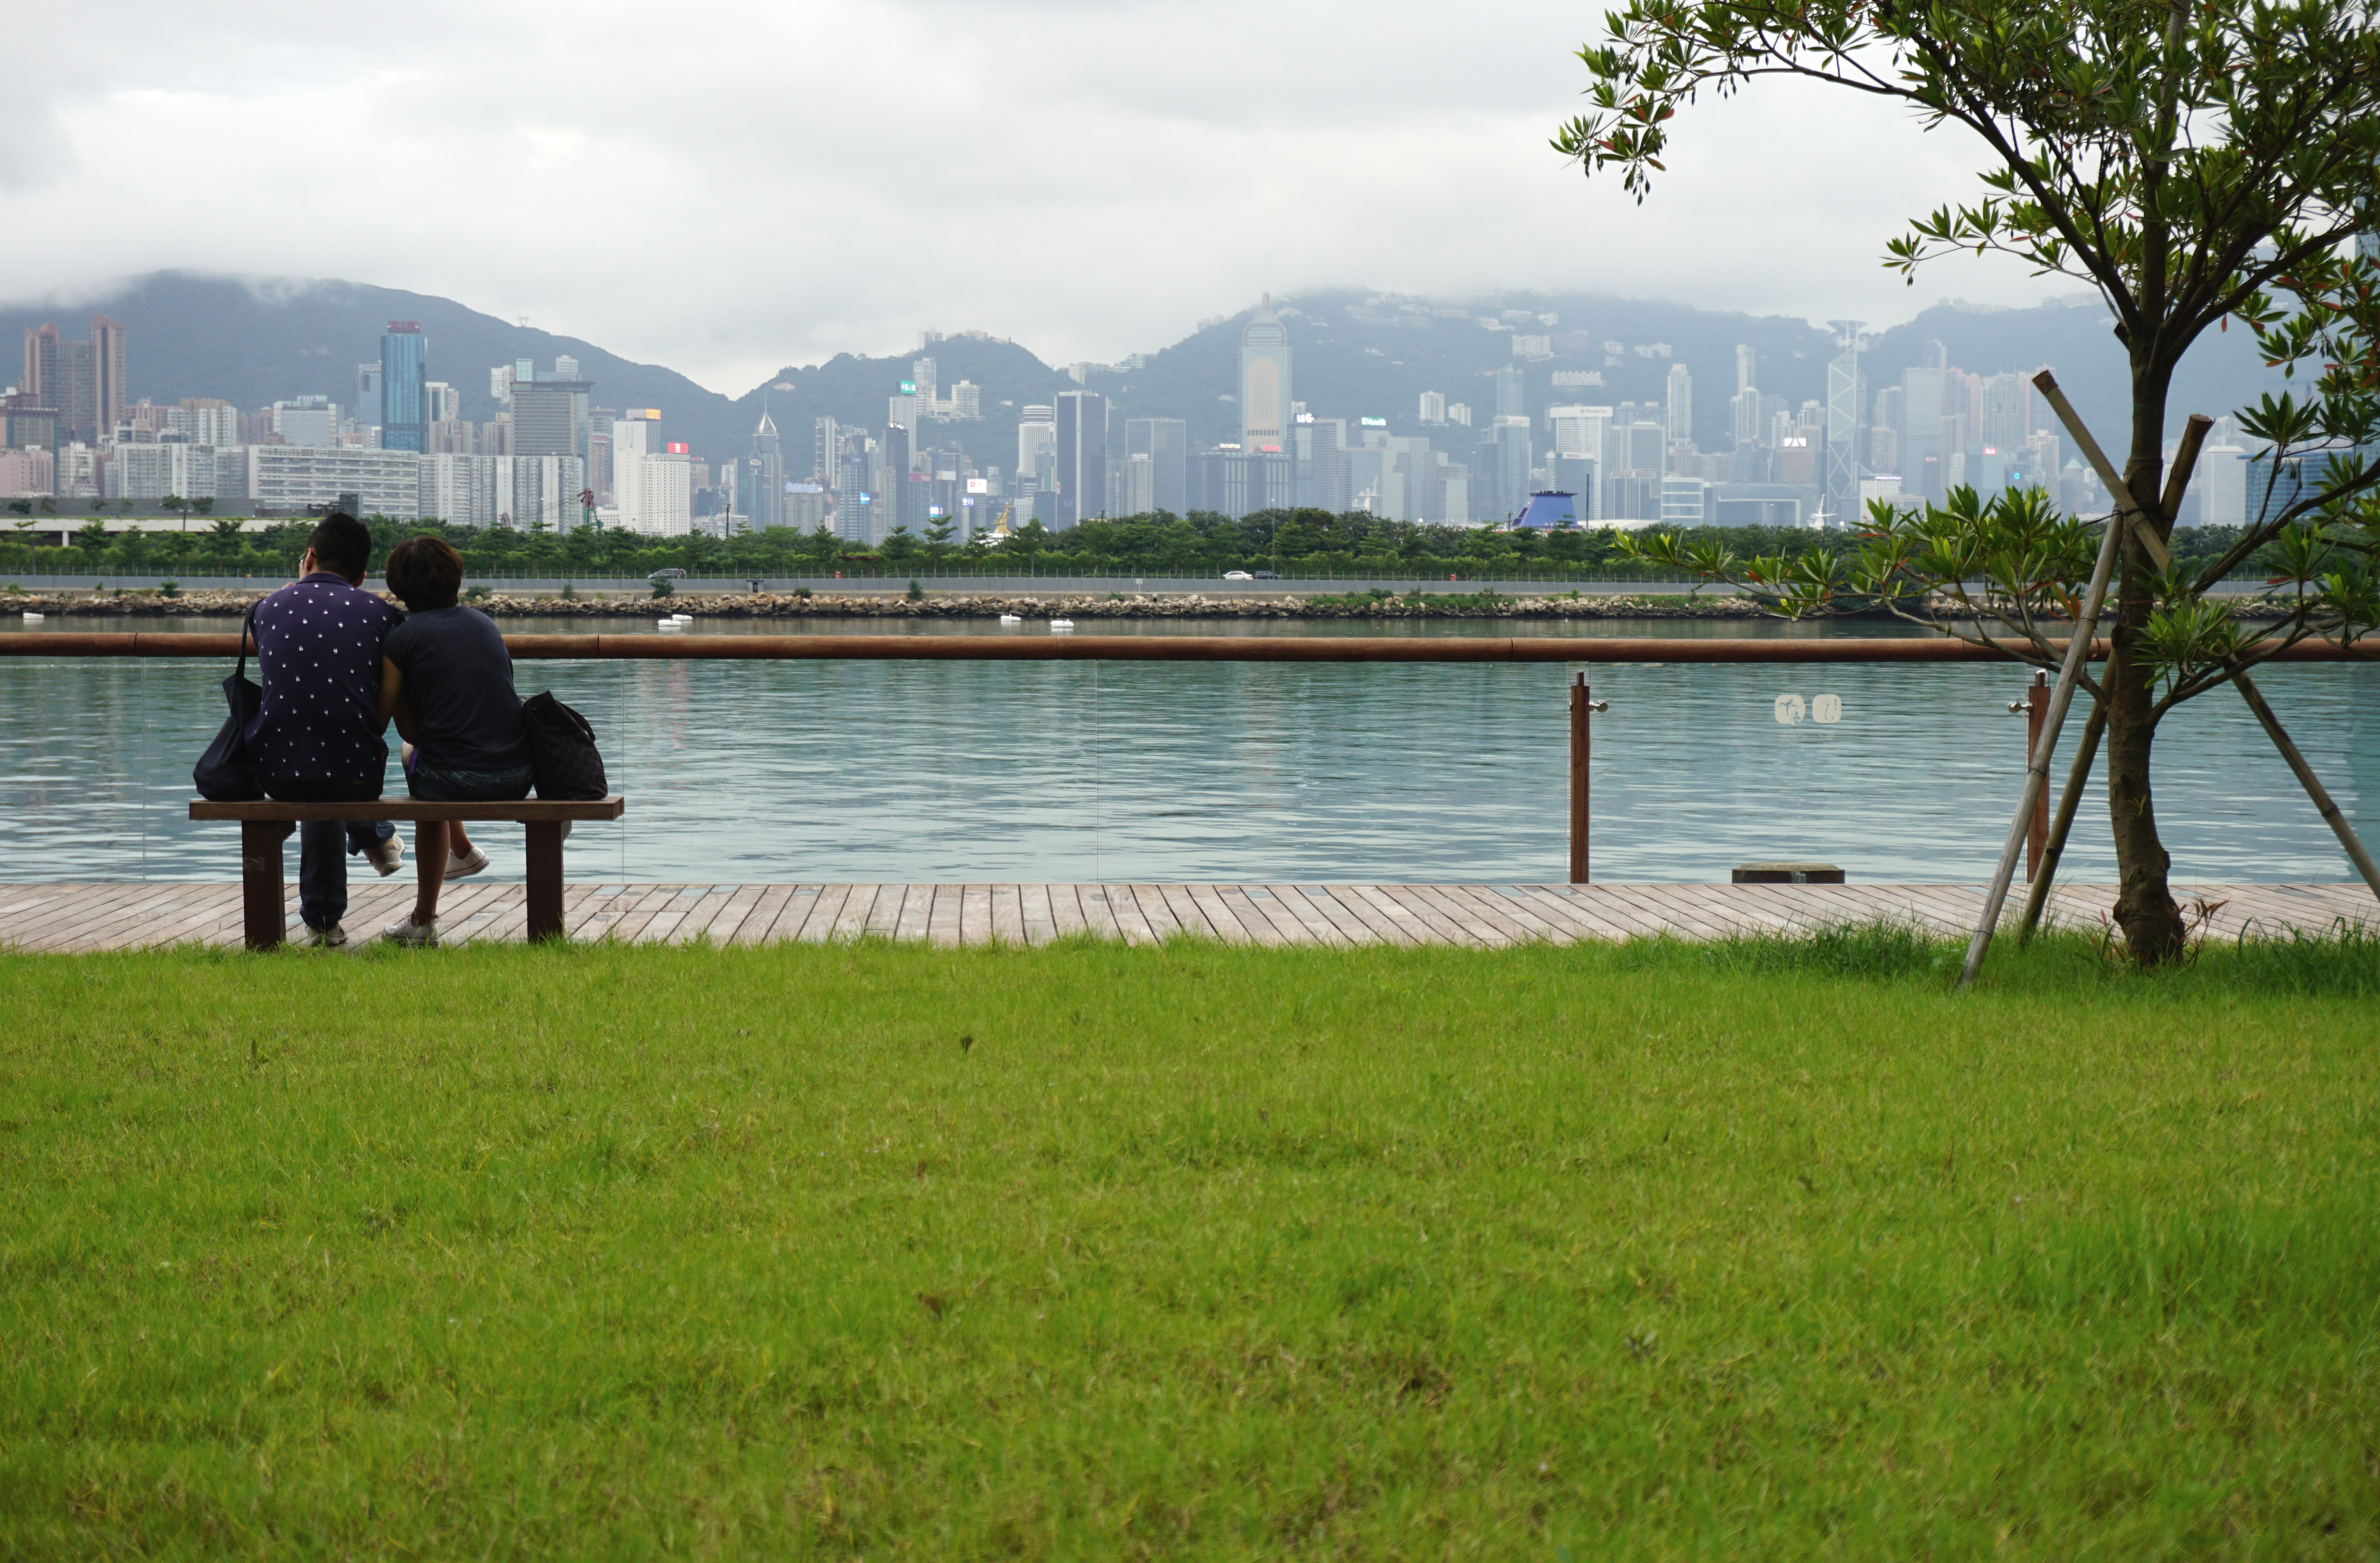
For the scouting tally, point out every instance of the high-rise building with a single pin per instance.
(1681, 418)
(1433, 406)
(1037, 439)
(633, 434)
(1922, 407)
(1322, 463)
(894, 508)
(1845, 402)
(2008, 409)
(1265, 388)
(1511, 399)
(110, 366)
(405, 388)
(1747, 367)
(550, 416)
(1082, 454)
(309, 420)
(1166, 442)
(41, 379)
(1582, 434)
(764, 502)
(826, 445)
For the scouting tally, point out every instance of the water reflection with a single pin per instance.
(1262, 771)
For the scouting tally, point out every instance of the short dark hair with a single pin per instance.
(425, 572)
(342, 543)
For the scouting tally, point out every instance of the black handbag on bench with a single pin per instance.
(561, 747)
(226, 772)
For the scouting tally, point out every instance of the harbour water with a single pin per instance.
(1054, 771)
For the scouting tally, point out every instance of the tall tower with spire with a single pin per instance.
(764, 501)
(1264, 383)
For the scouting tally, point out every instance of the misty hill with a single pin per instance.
(1356, 353)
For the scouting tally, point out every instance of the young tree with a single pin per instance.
(2195, 162)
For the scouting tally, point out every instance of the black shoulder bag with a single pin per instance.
(226, 772)
(561, 747)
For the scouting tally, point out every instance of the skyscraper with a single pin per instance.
(405, 388)
(1844, 405)
(550, 416)
(1920, 430)
(1166, 442)
(1037, 437)
(1264, 382)
(893, 506)
(1082, 454)
(1681, 404)
(109, 367)
(40, 379)
(1747, 367)
(1512, 400)
(826, 445)
(764, 505)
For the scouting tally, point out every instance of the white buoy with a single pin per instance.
(34, 618)
(1010, 619)
(683, 618)
(1062, 624)
(669, 623)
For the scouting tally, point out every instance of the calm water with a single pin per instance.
(1065, 771)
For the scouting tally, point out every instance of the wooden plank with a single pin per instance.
(1562, 906)
(651, 901)
(1099, 913)
(596, 915)
(1066, 910)
(1425, 926)
(946, 915)
(857, 917)
(741, 902)
(1352, 929)
(1040, 921)
(806, 913)
(1187, 913)
(1317, 928)
(1261, 915)
(1007, 906)
(141, 919)
(1505, 900)
(917, 912)
(1460, 918)
(1156, 911)
(1224, 922)
(880, 916)
(76, 919)
(1379, 926)
(762, 917)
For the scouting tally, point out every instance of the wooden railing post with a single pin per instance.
(1583, 706)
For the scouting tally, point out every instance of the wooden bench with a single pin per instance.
(264, 911)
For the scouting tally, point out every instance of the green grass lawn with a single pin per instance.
(1751, 1251)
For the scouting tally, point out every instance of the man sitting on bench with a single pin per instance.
(316, 734)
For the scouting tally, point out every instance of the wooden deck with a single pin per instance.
(119, 916)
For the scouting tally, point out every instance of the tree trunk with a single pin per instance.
(2145, 904)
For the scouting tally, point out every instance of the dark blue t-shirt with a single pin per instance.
(460, 679)
(318, 650)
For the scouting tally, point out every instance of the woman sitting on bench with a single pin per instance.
(446, 678)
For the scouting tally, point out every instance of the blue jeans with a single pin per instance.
(447, 784)
(323, 845)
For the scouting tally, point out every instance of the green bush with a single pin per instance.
(663, 587)
(916, 592)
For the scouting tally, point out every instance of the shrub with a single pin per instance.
(475, 594)
(801, 591)
(915, 593)
(662, 587)
(569, 592)
(169, 588)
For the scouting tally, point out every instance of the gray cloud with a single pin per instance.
(729, 189)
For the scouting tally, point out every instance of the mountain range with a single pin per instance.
(1355, 353)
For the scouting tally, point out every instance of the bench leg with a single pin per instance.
(263, 912)
(544, 879)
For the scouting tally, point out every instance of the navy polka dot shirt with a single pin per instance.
(318, 659)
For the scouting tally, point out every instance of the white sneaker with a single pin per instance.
(405, 930)
(327, 939)
(459, 867)
(387, 856)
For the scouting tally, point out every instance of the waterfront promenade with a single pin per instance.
(71, 917)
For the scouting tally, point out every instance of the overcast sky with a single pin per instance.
(728, 189)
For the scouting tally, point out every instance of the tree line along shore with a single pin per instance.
(1310, 543)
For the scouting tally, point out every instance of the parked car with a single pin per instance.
(670, 575)
(1237, 575)
(1267, 574)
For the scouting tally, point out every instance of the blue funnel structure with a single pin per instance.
(1545, 512)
